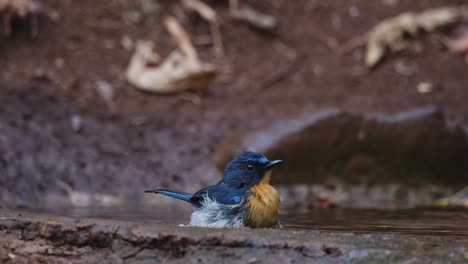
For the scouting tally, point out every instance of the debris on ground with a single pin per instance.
(105, 90)
(181, 70)
(76, 123)
(279, 75)
(425, 87)
(127, 43)
(140, 11)
(83, 199)
(322, 203)
(459, 199)
(250, 16)
(212, 18)
(10, 9)
(405, 68)
(389, 34)
(459, 45)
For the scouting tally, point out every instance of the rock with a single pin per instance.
(30, 232)
(417, 146)
(124, 249)
(4, 254)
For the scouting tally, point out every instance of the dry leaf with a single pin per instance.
(180, 71)
(389, 34)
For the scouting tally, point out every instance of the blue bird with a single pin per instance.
(244, 196)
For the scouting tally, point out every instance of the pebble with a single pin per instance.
(425, 87)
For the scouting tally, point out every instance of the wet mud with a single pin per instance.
(36, 238)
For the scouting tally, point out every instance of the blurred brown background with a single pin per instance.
(70, 123)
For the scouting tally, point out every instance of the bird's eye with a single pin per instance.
(241, 185)
(250, 167)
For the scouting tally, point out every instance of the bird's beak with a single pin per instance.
(272, 163)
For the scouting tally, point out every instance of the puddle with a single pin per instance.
(420, 221)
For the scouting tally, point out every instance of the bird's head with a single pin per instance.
(248, 169)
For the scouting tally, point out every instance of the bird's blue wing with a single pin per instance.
(220, 192)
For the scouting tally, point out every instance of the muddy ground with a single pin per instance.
(55, 127)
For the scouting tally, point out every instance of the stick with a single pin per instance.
(329, 41)
(252, 17)
(279, 75)
(353, 44)
(207, 13)
(181, 37)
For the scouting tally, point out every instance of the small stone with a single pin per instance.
(135, 16)
(109, 44)
(354, 11)
(76, 123)
(126, 42)
(149, 7)
(405, 68)
(425, 87)
(336, 22)
(30, 233)
(105, 90)
(43, 75)
(317, 69)
(59, 63)
(390, 2)
(53, 15)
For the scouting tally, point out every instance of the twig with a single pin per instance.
(329, 41)
(207, 13)
(353, 44)
(447, 42)
(66, 187)
(195, 99)
(252, 17)
(279, 75)
(217, 40)
(181, 37)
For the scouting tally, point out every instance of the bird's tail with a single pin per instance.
(178, 195)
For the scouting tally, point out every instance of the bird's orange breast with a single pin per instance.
(263, 205)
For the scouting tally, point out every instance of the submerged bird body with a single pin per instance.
(244, 197)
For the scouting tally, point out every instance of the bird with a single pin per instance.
(242, 198)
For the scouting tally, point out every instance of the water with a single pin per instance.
(422, 221)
